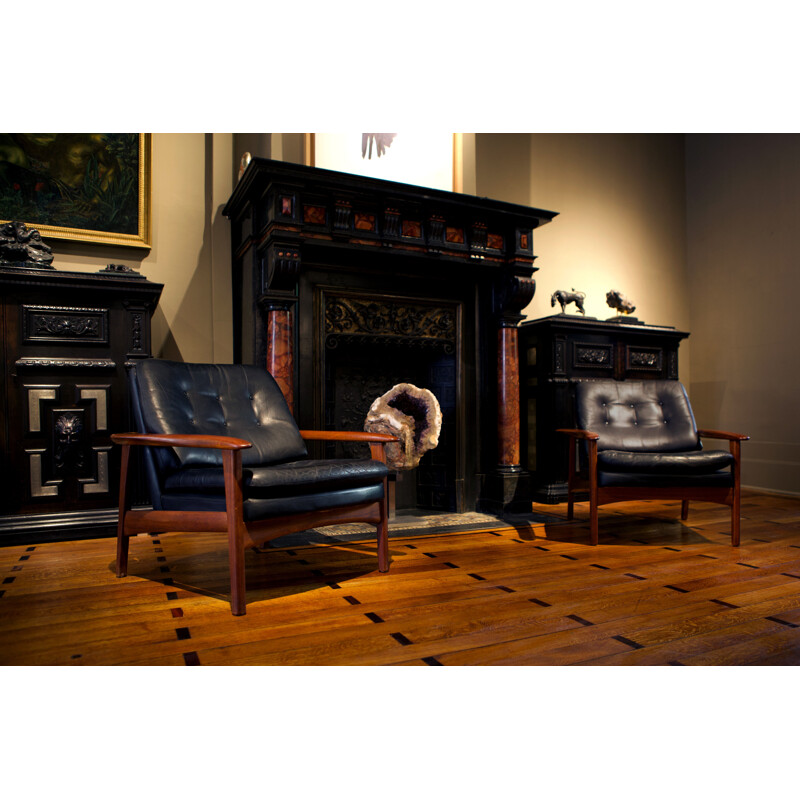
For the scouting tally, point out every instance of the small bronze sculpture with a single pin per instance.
(21, 246)
(618, 301)
(565, 298)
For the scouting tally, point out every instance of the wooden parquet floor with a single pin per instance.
(656, 591)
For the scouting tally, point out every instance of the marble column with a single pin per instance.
(280, 348)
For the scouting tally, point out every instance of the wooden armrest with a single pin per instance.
(576, 433)
(733, 437)
(349, 436)
(181, 440)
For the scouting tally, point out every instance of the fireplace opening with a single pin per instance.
(372, 345)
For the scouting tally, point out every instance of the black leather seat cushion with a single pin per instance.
(283, 480)
(694, 462)
(257, 508)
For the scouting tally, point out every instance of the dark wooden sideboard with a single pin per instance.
(66, 337)
(560, 350)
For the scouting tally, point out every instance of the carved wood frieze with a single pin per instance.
(594, 356)
(640, 358)
(385, 318)
(57, 324)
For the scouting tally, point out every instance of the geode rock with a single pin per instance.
(414, 416)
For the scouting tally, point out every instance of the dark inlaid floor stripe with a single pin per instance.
(571, 558)
(599, 566)
(518, 541)
(191, 659)
(476, 576)
(539, 602)
(183, 633)
(410, 546)
(752, 566)
(164, 569)
(9, 580)
(506, 589)
(676, 664)
(579, 619)
(449, 564)
(632, 575)
(539, 547)
(172, 595)
(2, 592)
(430, 555)
(353, 602)
(432, 662)
(789, 575)
(675, 588)
(629, 642)
(783, 622)
(674, 549)
(374, 617)
(161, 559)
(704, 555)
(168, 582)
(29, 549)
(77, 655)
(398, 637)
(722, 603)
(24, 558)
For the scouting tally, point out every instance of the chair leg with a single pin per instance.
(594, 524)
(684, 509)
(383, 536)
(232, 467)
(122, 539)
(735, 518)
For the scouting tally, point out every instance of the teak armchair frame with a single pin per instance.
(600, 495)
(241, 533)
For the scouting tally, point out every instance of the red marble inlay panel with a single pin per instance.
(286, 206)
(455, 235)
(508, 445)
(315, 215)
(412, 229)
(494, 241)
(364, 222)
(523, 241)
(280, 354)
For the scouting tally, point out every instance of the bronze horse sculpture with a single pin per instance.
(565, 298)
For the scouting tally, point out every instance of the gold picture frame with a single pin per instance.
(89, 187)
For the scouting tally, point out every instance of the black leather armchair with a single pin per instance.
(222, 452)
(639, 441)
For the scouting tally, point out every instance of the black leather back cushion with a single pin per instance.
(217, 400)
(640, 416)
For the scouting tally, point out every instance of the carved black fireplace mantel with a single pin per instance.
(344, 286)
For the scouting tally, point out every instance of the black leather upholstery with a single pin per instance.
(648, 435)
(649, 416)
(244, 402)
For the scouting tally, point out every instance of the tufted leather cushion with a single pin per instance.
(644, 416)
(285, 480)
(218, 400)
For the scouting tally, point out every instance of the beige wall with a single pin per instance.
(621, 223)
(743, 214)
(190, 254)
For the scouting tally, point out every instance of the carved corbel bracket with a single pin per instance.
(516, 291)
(283, 267)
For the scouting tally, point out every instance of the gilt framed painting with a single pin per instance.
(88, 187)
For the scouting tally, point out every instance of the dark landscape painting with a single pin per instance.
(89, 183)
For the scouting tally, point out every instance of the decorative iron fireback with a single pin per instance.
(385, 318)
